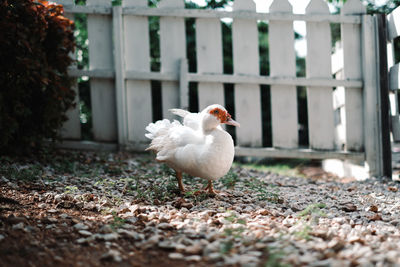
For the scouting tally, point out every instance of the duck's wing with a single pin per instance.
(169, 137)
(179, 112)
(192, 120)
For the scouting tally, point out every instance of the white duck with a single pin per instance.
(199, 147)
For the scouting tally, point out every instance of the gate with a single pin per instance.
(344, 112)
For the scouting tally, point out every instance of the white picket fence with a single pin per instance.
(120, 76)
(393, 24)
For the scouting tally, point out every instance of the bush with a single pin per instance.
(35, 91)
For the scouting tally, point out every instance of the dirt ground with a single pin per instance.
(36, 229)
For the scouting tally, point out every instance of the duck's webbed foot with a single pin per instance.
(210, 188)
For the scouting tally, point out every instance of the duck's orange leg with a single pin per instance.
(180, 184)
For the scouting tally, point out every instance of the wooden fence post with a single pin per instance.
(209, 60)
(384, 96)
(120, 89)
(72, 127)
(183, 85)
(351, 38)
(245, 61)
(283, 63)
(372, 108)
(102, 90)
(318, 65)
(172, 50)
(137, 58)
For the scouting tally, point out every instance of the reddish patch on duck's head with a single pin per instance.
(222, 115)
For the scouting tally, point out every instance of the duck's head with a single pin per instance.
(214, 115)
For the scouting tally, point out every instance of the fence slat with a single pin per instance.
(318, 62)
(351, 38)
(209, 60)
(137, 58)
(245, 61)
(394, 24)
(172, 50)
(102, 90)
(283, 64)
(72, 127)
(372, 134)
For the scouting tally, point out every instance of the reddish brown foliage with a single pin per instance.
(34, 56)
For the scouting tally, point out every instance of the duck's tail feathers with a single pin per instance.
(157, 128)
(161, 143)
(180, 112)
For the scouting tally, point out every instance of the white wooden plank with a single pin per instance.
(283, 64)
(172, 50)
(102, 90)
(120, 86)
(352, 69)
(207, 13)
(87, 145)
(183, 85)
(246, 61)
(72, 127)
(393, 23)
(318, 64)
(220, 78)
(209, 60)
(394, 77)
(372, 136)
(297, 153)
(137, 58)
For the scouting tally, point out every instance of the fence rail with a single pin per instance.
(120, 76)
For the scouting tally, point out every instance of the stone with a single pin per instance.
(81, 226)
(214, 256)
(194, 249)
(52, 211)
(64, 216)
(349, 207)
(165, 226)
(193, 258)
(18, 226)
(166, 244)
(42, 205)
(108, 237)
(373, 208)
(112, 255)
(85, 233)
(176, 256)
(131, 234)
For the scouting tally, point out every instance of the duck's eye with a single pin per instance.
(216, 111)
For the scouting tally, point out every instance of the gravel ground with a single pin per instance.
(93, 209)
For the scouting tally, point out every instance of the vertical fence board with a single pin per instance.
(351, 38)
(393, 23)
(209, 60)
(283, 63)
(172, 49)
(72, 127)
(245, 61)
(372, 135)
(318, 62)
(137, 58)
(120, 86)
(102, 90)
